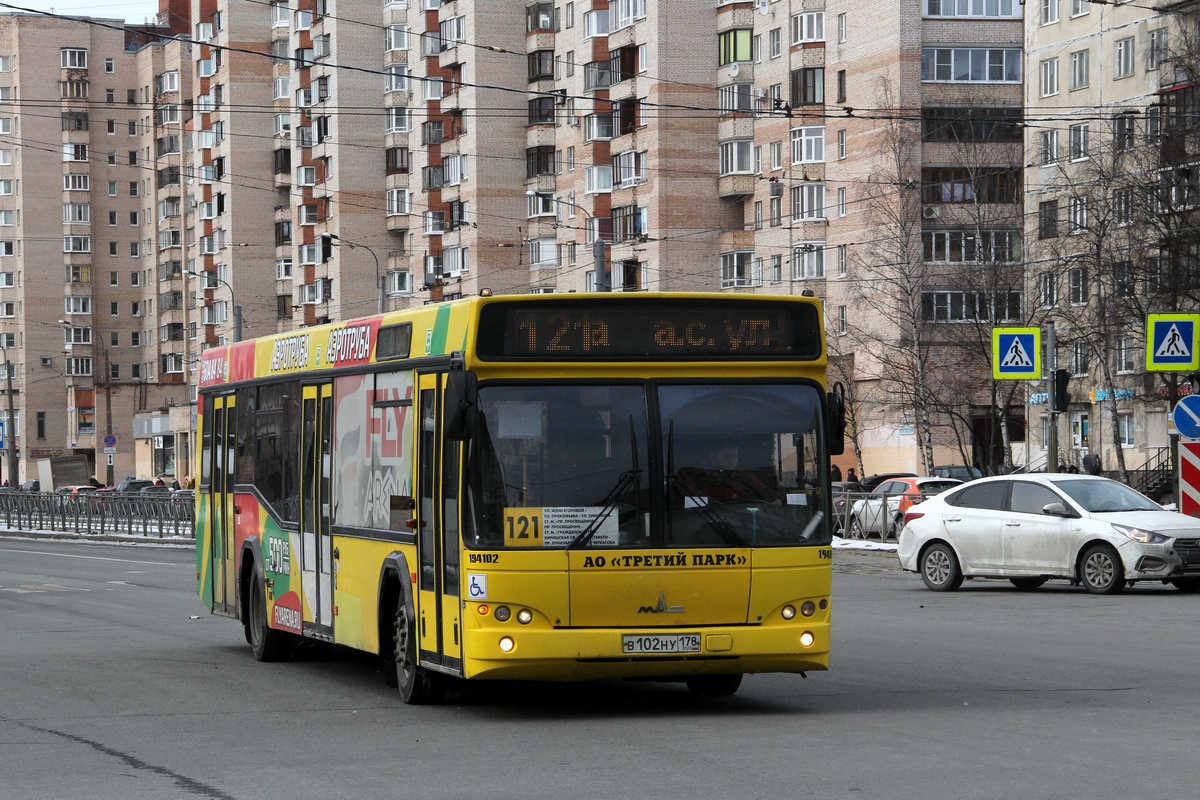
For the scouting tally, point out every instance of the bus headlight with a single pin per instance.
(524, 616)
(502, 613)
(788, 612)
(507, 644)
(807, 609)
(807, 639)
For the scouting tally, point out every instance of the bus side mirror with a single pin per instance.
(835, 420)
(462, 405)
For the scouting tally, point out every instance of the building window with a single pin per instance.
(733, 46)
(1125, 428)
(808, 201)
(808, 27)
(808, 260)
(1049, 11)
(972, 8)
(842, 259)
(737, 269)
(1156, 48)
(971, 64)
(841, 201)
(1077, 215)
(808, 86)
(1079, 141)
(73, 58)
(1049, 77)
(841, 28)
(808, 144)
(1079, 69)
(1123, 66)
(958, 306)
(1127, 354)
(737, 157)
(1048, 289)
(1077, 286)
(1123, 132)
(1080, 7)
(1079, 358)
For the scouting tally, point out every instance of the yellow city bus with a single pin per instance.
(545, 487)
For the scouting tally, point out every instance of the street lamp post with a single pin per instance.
(599, 263)
(333, 237)
(237, 310)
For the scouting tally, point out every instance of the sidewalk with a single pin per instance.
(106, 538)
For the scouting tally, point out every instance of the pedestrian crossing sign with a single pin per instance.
(1171, 342)
(1017, 354)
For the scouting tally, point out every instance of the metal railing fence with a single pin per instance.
(159, 515)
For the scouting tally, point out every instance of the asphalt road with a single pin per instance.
(116, 683)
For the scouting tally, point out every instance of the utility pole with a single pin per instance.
(108, 428)
(10, 434)
(1049, 372)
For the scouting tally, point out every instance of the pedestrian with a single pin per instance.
(1062, 467)
(851, 476)
(175, 484)
(160, 482)
(835, 472)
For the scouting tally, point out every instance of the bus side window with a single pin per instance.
(401, 512)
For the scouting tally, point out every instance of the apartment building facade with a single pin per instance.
(81, 136)
(335, 160)
(1111, 219)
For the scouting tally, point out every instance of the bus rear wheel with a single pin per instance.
(417, 686)
(268, 644)
(714, 685)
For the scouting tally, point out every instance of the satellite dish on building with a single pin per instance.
(734, 69)
(764, 7)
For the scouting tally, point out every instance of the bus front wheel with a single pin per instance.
(714, 685)
(417, 686)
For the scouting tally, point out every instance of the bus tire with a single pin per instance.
(418, 686)
(268, 644)
(714, 685)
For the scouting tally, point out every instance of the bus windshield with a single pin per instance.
(586, 465)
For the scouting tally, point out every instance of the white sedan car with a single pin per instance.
(1034, 528)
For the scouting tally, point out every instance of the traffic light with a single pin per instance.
(1059, 398)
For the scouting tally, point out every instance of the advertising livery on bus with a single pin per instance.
(551, 487)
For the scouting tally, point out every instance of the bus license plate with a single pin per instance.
(677, 643)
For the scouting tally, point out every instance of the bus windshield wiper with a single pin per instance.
(627, 477)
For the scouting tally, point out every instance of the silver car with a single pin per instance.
(1034, 528)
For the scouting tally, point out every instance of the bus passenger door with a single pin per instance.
(316, 465)
(220, 507)
(439, 626)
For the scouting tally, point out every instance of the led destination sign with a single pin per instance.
(649, 329)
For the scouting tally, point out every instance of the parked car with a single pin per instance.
(957, 471)
(31, 486)
(1034, 528)
(129, 485)
(185, 497)
(75, 490)
(883, 511)
(871, 482)
(842, 493)
(155, 488)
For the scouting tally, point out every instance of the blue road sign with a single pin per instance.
(110, 441)
(1017, 353)
(1187, 416)
(1171, 342)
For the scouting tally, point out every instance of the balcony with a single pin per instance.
(736, 185)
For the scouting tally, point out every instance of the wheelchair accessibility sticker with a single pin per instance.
(476, 586)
